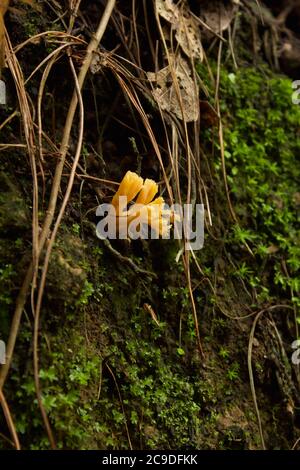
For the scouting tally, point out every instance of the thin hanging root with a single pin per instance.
(93, 45)
(56, 34)
(250, 346)
(296, 444)
(46, 263)
(30, 145)
(221, 140)
(250, 369)
(190, 169)
(9, 421)
(21, 299)
(186, 261)
(122, 405)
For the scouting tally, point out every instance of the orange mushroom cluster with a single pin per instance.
(145, 210)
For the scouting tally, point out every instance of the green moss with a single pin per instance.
(14, 223)
(262, 148)
(13, 208)
(109, 373)
(117, 375)
(262, 145)
(69, 380)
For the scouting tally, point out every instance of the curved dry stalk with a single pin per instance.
(76, 98)
(136, 103)
(138, 49)
(296, 443)
(74, 12)
(56, 34)
(9, 421)
(60, 16)
(47, 259)
(252, 385)
(250, 369)
(221, 139)
(190, 162)
(94, 178)
(93, 45)
(43, 81)
(44, 61)
(8, 119)
(22, 296)
(30, 141)
(122, 405)
(30, 144)
(27, 119)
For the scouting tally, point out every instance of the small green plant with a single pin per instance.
(86, 293)
(233, 371)
(224, 353)
(76, 229)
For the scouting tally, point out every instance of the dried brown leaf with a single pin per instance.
(165, 92)
(186, 28)
(217, 16)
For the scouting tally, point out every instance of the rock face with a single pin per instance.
(119, 363)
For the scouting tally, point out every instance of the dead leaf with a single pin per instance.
(165, 92)
(96, 64)
(99, 61)
(187, 32)
(217, 16)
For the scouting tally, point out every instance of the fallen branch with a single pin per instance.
(9, 421)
